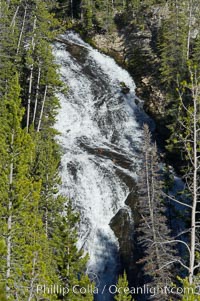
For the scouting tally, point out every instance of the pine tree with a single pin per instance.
(191, 291)
(2, 293)
(37, 242)
(23, 263)
(87, 13)
(122, 285)
(27, 28)
(8, 42)
(173, 47)
(71, 264)
(59, 220)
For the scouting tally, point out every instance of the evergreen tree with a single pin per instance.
(173, 47)
(87, 13)
(122, 285)
(37, 243)
(191, 291)
(2, 293)
(24, 263)
(71, 264)
(8, 42)
(59, 220)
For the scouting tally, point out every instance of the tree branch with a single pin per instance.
(175, 200)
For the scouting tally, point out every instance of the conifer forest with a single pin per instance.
(99, 150)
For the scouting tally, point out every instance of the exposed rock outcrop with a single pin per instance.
(134, 47)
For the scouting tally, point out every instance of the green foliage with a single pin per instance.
(8, 44)
(191, 291)
(37, 227)
(2, 293)
(122, 285)
(173, 47)
(42, 232)
(87, 13)
(26, 244)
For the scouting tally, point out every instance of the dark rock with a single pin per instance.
(123, 226)
(124, 88)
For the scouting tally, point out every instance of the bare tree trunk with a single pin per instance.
(46, 209)
(9, 223)
(29, 99)
(81, 6)
(33, 36)
(68, 265)
(72, 12)
(37, 93)
(42, 109)
(195, 186)
(152, 227)
(46, 221)
(191, 143)
(30, 79)
(190, 7)
(152, 208)
(34, 277)
(22, 30)
(150, 186)
(12, 24)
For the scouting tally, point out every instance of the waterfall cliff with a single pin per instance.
(100, 127)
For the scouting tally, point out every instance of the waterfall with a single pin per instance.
(100, 128)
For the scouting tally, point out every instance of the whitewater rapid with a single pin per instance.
(97, 123)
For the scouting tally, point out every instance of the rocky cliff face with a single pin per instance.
(123, 224)
(134, 47)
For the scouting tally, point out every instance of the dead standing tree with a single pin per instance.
(153, 230)
(189, 139)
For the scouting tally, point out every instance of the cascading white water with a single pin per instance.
(100, 133)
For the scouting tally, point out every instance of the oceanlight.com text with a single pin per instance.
(113, 289)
